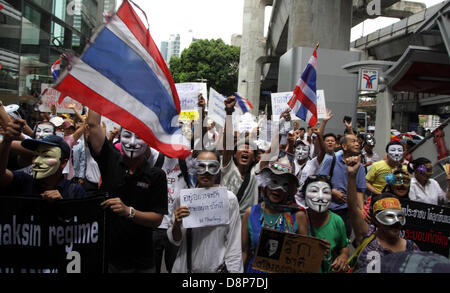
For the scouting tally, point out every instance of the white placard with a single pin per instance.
(188, 94)
(280, 104)
(207, 206)
(321, 106)
(247, 122)
(51, 97)
(216, 107)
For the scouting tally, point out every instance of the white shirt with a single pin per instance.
(432, 193)
(211, 246)
(175, 182)
(92, 170)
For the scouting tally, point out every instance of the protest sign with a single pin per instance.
(247, 123)
(321, 106)
(188, 95)
(281, 252)
(216, 107)
(427, 225)
(50, 97)
(207, 206)
(280, 104)
(61, 237)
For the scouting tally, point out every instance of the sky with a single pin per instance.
(213, 19)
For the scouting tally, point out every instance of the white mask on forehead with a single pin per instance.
(43, 130)
(318, 196)
(395, 152)
(132, 146)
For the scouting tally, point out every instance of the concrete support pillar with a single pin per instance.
(326, 21)
(383, 121)
(252, 50)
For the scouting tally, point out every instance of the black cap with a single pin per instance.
(51, 140)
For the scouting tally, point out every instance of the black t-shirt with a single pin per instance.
(131, 245)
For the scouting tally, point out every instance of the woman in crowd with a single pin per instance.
(325, 224)
(424, 188)
(278, 210)
(382, 237)
(214, 248)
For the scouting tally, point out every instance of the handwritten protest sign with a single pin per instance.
(280, 104)
(216, 107)
(66, 236)
(281, 252)
(188, 94)
(321, 106)
(427, 225)
(207, 206)
(51, 96)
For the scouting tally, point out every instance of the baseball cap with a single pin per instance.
(57, 121)
(51, 140)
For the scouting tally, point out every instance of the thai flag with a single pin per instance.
(122, 76)
(56, 69)
(243, 103)
(304, 99)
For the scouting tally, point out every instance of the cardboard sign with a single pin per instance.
(66, 236)
(207, 206)
(427, 225)
(51, 96)
(281, 252)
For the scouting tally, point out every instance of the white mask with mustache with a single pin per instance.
(395, 152)
(318, 196)
(132, 146)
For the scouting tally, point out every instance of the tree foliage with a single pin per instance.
(210, 60)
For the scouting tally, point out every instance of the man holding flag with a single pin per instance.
(122, 76)
(304, 100)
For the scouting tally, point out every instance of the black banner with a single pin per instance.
(428, 226)
(67, 236)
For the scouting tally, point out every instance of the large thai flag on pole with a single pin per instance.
(304, 99)
(122, 76)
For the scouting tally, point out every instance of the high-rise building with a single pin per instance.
(174, 47)
(165, 50)
(33, 35)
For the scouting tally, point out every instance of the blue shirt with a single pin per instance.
(339, 179)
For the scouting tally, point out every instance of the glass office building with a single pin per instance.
(33, 35)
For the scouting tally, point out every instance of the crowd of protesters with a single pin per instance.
(331, 186)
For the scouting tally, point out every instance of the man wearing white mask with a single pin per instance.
(375, 178)
(138, 197)
(325, 224)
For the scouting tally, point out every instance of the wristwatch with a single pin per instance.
(132, 213)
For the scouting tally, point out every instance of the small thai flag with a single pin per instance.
(56, 69)
(243, 103)
(123, 76)
(304, 99)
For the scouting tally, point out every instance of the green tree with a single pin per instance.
(210, 60)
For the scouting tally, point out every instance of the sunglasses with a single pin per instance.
(206, 166)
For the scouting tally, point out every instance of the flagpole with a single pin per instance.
(317, 45)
